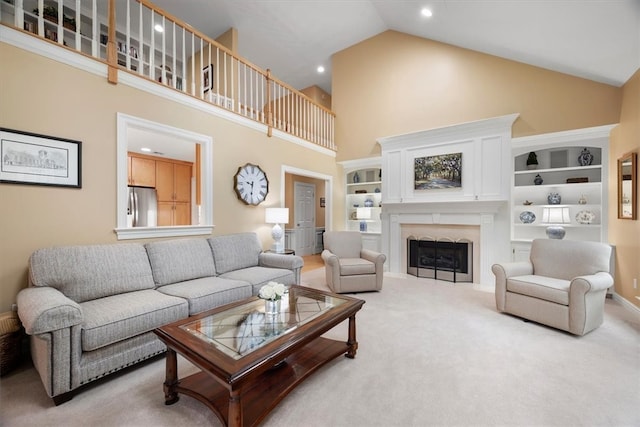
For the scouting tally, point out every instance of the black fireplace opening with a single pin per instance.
(443, 259)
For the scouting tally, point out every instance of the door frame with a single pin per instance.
(328, 183)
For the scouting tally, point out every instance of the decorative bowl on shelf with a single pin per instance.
(527, 217)
(585, 217)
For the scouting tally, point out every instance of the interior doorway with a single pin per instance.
(304, 196)
(321, 205)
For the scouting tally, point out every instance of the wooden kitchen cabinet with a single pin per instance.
(142, 171)
(173, 186)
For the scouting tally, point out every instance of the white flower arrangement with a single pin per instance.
(272, 291)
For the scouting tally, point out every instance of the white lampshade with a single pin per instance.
(556, 215)
(276, 215)
(363, 213)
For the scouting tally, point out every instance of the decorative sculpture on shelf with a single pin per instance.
(585, 158)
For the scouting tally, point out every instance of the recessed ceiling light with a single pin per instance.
(426, 12)
(158, 28)
(320, 69)
(145, 149)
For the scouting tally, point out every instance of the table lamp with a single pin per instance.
(277, 216)
(556, 216)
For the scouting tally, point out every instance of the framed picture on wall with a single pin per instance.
(207, 78)
(437, 172)
(30, 158)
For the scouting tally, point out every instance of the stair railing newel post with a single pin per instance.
(112, 55)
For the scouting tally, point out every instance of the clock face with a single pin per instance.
(251, 184)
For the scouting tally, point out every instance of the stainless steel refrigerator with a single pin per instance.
(143, 207)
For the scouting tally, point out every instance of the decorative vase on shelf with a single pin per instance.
(585, 158)
(582, 200)
(554, 198)
(532, 160)
(537, 180)
(368, 203)
(356, 178)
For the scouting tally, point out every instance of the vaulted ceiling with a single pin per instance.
(594, 39)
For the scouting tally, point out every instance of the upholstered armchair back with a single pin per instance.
(567, 259)
(343, 244)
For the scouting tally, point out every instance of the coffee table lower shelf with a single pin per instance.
(264, 392)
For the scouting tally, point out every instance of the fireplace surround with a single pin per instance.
(481, 201)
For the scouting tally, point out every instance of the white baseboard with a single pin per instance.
(627, 304)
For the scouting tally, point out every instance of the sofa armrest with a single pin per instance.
(503, 272)
(512, 269)
(332, 268)
(45, 309)
(375, 257)
(592, 283)
(289, 262)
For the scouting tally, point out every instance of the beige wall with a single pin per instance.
(396, 83)
(318, 95)
(43, 96)
(625, 234)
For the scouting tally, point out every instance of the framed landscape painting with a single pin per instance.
(29, 158)
(437, 172)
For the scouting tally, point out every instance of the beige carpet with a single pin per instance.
(430, 354)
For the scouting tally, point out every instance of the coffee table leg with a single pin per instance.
(170, 394)
(353, 344)
(235, 409)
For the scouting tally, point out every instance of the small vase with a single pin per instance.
(368, 203)
(537, 180)
(585, 158)
(356, 178)
(582, 200)
(554, 198)
(272, 306)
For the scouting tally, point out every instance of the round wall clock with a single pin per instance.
(250, 184)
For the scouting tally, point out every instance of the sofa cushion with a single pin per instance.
(355, 266)
(259, 276)
(118, 317)
(235, 251)
(208, 292)
(178, 260)
(84, 273)
(541, 287)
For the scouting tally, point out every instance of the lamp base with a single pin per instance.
(555, 232)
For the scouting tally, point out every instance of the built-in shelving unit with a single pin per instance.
(560, 171)
(363, 189)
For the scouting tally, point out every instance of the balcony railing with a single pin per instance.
(137, 37)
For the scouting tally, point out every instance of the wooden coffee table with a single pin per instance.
(250, 360)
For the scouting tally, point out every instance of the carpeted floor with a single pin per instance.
(430, 354)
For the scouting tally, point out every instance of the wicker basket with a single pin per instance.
(10, 342)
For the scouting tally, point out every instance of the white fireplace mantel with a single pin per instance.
(481, 200)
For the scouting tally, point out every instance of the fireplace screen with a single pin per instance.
(443, 259)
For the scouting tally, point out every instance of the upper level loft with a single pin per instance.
(139, 39)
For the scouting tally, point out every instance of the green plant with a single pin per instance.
(532, 159)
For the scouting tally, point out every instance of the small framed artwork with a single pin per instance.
(323, 202)
(207, 78)
(29, 158)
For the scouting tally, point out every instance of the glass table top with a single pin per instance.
(244, 328)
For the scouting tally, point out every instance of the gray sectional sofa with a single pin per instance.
(91, 310)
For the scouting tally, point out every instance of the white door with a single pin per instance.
(305, 217)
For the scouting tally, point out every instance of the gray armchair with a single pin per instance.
(563, 285)
(349, 267)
